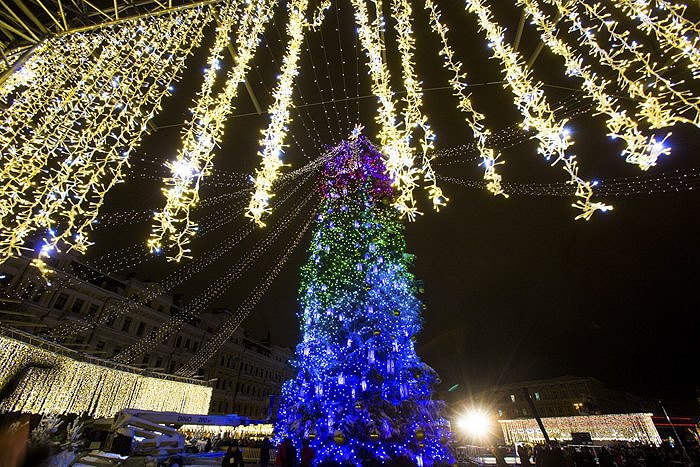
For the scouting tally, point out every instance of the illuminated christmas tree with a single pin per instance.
(361, 395)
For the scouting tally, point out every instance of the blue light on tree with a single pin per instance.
(361, 394)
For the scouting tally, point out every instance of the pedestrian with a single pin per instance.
(282, 453)
(524, 455)
(499, 454)
(291, 454)
(265, 453)
(307, 454)
(233, 457)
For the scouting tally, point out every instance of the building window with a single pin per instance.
(60, 301)
(140, 329)
(537, 396)
(524, 411)
(92, 311)
(6, 279)
(37, 295)
(28, 290)
(126, 325)
(145, 360)
(195, 346)
(512, 397)
(110, 321)
(159, 363)
(100, 345)
(187, 343)
(178, 341)
(77, 305)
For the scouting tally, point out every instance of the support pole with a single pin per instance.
(519, 33)
(149, 14)
(531, 404)
(19, 21)
(248, 87)
(17, 65)
(535, 54)
(31, 16)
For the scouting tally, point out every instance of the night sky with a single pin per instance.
(515, 289)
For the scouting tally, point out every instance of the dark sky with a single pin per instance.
(516, 289)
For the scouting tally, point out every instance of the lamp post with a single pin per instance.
(673, 427)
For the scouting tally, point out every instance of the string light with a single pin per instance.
(640, 149)
(342, 65)
(681, 101)
(229, 327)
(213, 290)
(634, 427)
(413, 113)
(272, 150)
(552, 134)
(337, 118)
(11, 57)
(312, 133)
(173, 227)
(69, 385)
(475, 120)
(104, 120)
(672, 32)
(319, 15)
(667, 182)
(399, 156)
(137, 254)
(657, 111)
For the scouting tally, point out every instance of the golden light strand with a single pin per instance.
(682, 101)
(413, 114)
(214, 290)
(640, 149)
(398, 154)
(475, 120)
(673, 32)
(658, 111)
(319, 14)
(127, 92)
(28, 156)
(111, 167)
(68, 384)
(552, 134)
(172, 225)
(40, 94)
(272, 143)
(227, 329)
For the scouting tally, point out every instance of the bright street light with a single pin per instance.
(475, 423)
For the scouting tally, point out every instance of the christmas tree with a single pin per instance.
(361, 396)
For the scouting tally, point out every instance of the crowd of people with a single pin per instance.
(287, 454)
(614, 455)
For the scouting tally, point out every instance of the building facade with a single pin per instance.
(558, 397)
(633, 427)
(102, 314)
